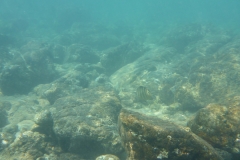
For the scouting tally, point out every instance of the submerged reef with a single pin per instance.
(65, 92)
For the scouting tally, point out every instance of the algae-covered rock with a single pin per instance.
(85, 122)
(28, 146)
(219, 125)
(151, 138)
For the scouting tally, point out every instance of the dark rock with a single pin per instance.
(224, 154)
(151, 138)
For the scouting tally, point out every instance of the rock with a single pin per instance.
(116, 57)
(87, 120)
(152, 138)
(28, 146)
(63, 86)
(149, 70)
(23, 107)
(25, 125)
(44, 123)
(219, 125)
(30, 66)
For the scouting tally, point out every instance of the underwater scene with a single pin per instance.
(119, 80)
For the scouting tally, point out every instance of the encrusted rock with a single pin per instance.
(219, 125)
(152, 138)
(88, 120)
(28, 146)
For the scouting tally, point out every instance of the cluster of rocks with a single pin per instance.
(82, 124)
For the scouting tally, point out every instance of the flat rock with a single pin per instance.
(151, 138)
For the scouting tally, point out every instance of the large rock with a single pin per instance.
(85, 122)
(152, 138)
(219, 125)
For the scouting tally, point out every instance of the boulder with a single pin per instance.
(219, 125)
(85, 123)
(151, 138)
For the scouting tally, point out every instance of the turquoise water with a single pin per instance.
(141, 13)
(67, 68)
